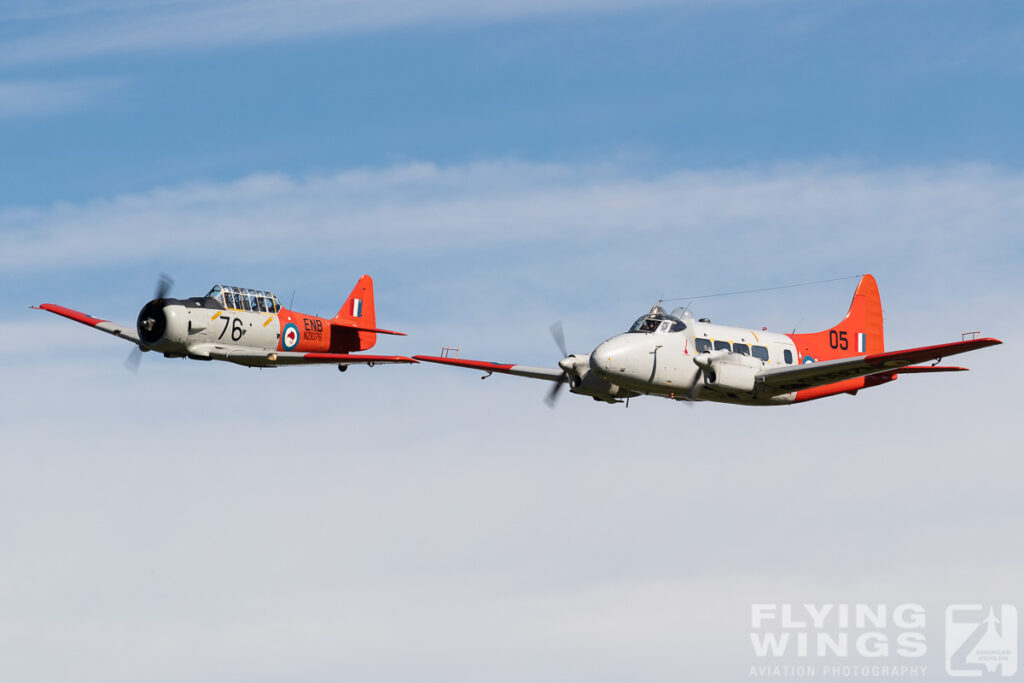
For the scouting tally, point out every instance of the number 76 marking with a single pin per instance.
(236, 328)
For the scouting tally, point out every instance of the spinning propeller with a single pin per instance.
(163, 288)
(566, 364)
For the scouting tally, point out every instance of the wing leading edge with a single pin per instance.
(550, 374)
(808, 375)
(128, 333)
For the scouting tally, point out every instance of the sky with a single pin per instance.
(496, 167)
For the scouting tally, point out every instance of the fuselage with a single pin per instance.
(678, 357)
(238, 324)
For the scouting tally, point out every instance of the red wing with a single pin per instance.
(100, 324)
(299, 358)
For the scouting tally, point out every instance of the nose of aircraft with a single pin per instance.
(162, 325)
(612, 358)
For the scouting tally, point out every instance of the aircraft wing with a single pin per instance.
(807, 375)
(551, 374)
(275, 358)
(128, 333)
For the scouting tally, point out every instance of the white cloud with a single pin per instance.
(729, 218)
(33, 98)
(116, 27)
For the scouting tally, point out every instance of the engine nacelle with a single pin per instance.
(584, 381)
(729, 371)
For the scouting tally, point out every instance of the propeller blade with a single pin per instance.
(559, 335)
(133, 359)
(552, 398)
(698, 383)
(163, 286)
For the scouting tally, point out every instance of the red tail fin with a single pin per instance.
(357, 311)
(860, 332)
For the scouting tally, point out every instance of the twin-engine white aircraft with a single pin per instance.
(248, 327)
(677, 357)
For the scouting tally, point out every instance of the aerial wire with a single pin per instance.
(764, 289)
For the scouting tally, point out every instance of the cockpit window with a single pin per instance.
(657, 323)
(645, 324)
(242, 299)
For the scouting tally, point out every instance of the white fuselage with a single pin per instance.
(686, 365)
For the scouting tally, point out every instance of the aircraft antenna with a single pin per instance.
(765, 289)
(291, 304)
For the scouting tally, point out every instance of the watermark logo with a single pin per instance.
(981, 640)
(838, 640)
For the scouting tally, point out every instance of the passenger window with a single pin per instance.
(760, 352)
(702, 345)
(722, 345)
(741, 349)
(787, 356)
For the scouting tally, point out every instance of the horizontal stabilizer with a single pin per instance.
(359, 328)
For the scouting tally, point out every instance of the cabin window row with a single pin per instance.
(759, 352)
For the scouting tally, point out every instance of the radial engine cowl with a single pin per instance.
(158, 325)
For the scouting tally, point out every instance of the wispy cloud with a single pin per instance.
(800, 211)
(37, 97)
(98, 28)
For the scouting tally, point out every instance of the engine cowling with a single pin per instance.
(586, 382)
(728, 371)
(162, 326)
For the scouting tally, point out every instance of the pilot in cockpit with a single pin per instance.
(657, 321)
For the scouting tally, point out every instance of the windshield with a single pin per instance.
(657, 323)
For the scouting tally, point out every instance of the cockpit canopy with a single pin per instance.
(657, 320)
(242, 299)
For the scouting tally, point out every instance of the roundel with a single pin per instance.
(290, 337)
(808, 359)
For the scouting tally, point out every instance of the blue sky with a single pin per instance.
(495, 167)
(665, 84)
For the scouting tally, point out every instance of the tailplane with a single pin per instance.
(859, 333)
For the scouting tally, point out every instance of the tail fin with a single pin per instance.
(358, 307)
(859, 333)
(357, 312)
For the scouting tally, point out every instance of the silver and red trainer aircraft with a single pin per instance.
(672, 355)
(248, 327)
